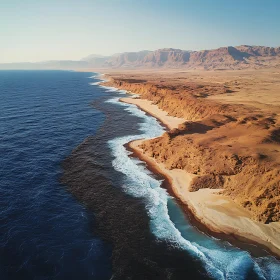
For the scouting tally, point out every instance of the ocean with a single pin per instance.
(76, 205)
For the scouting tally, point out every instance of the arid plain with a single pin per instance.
(222, 149)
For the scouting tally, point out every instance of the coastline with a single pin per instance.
(121, 220)
(168, 121)
(216, 213)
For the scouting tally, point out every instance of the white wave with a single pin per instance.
(221, 260)
(95, 83)
(270, 267)
(110, 89)
(98, 77)
(93, 76)
(140, 184)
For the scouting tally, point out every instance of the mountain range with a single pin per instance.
(224, 58)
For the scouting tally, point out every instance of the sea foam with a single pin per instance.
(222, 260)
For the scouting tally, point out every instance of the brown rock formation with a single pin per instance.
(230, 58)
(230, 146)
(240, 57)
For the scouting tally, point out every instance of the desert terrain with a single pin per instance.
(225, 135)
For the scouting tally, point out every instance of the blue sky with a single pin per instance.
(35, 30)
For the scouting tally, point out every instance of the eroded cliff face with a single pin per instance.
(184, 101)
(231, 147)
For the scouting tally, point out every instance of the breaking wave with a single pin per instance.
(221, 259)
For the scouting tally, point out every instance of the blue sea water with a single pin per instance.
(168, 221)
(44, 232)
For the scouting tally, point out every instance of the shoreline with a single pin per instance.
(214, 214)
(147, 106)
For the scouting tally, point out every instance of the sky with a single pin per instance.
(39, 30)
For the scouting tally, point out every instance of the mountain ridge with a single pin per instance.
(223, 58)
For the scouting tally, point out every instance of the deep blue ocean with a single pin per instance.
(75, 203)
(44, 232)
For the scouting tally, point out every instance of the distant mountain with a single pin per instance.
(127, 59)
(167, 58)
(96, 60)
(93, 56)
(240, 57)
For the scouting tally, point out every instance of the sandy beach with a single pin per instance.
(217, 212)
(147, 106)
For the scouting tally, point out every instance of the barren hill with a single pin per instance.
(225, 58)
(240, 57)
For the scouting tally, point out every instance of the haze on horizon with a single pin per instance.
(34, 30)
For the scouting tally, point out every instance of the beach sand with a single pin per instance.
(147, 106)
(217, 212)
